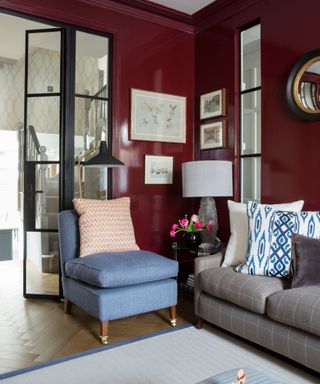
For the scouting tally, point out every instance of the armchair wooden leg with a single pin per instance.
(173, 313)
(198, 323)
(67, 306)
(104, 328)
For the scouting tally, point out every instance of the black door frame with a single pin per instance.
(67, 120)
(30, 192)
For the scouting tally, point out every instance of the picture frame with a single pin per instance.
(213, 104)
(157, 117)
(213, 135)
(158, 169)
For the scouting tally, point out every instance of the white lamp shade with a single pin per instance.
(206, 178)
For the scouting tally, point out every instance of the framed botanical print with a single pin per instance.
(157, 117)
(213, 104)
(213, 135)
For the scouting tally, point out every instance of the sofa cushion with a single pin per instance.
(306, 261)
(261, 217)
(280, 245)
(249, 292)
(119, 269)
(285, 224)
(308, 224)
(238, 243)
(297, 307)
(237, 247)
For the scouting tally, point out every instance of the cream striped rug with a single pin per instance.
(185, 355)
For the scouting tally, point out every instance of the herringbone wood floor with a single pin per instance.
(38, 331)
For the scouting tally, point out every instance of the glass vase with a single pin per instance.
(192, 239)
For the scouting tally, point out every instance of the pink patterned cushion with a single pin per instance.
(105, 226)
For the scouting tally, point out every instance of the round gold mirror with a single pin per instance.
(303, 86)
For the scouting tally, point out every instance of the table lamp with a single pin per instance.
(207, 179)
(103, 158)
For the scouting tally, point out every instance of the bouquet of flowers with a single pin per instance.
(195, 224)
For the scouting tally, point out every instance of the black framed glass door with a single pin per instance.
(67, 111)
(43, 120)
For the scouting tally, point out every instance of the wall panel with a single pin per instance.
(151, 56)
(290, 146)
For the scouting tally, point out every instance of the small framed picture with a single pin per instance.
(213, 135)
(213, 104)
(158, 169)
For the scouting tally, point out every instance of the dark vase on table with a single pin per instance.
(192, 239)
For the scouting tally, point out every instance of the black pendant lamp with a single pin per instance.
(103, 158)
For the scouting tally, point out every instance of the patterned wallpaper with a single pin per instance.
(11, 95)
(87, 81)
(44, 72)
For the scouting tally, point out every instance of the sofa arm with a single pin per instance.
(200, 264)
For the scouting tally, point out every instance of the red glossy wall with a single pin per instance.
(290, 146)
(159, 57)
(150, 56)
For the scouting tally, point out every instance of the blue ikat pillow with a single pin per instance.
(279, 261)
(269, 239)
(260, 217)
(285, 224)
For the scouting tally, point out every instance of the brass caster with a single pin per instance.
(104, 340)
(173, 322)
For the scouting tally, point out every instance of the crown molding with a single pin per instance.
(141, 9)
(158, 9)
(218, 11)
(53, 17)
(147, 11)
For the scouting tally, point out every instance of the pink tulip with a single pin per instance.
(174, 227)
(184, 222)
(195, 218)
(172, 233)
(198, 225)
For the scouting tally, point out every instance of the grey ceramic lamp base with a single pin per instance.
(208, 211)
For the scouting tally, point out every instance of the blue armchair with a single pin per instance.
(113, 285)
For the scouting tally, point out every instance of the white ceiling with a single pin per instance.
(12, 39)
(12, 35)
(187, 6)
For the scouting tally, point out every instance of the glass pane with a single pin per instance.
(91, 123)
(42, 274)
(44, 62)
(11, 217)
(250, 58)
(251, 123)
(47, 196)
(91, 64)
(250, 180)
(43, 138)
(94, 182)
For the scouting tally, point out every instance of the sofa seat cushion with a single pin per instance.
(246, 291)
(120, 269)
(297, 307)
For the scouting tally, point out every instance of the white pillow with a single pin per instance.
(236, 251)
(238, 243)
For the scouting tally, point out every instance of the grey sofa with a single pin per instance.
(264, 310)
